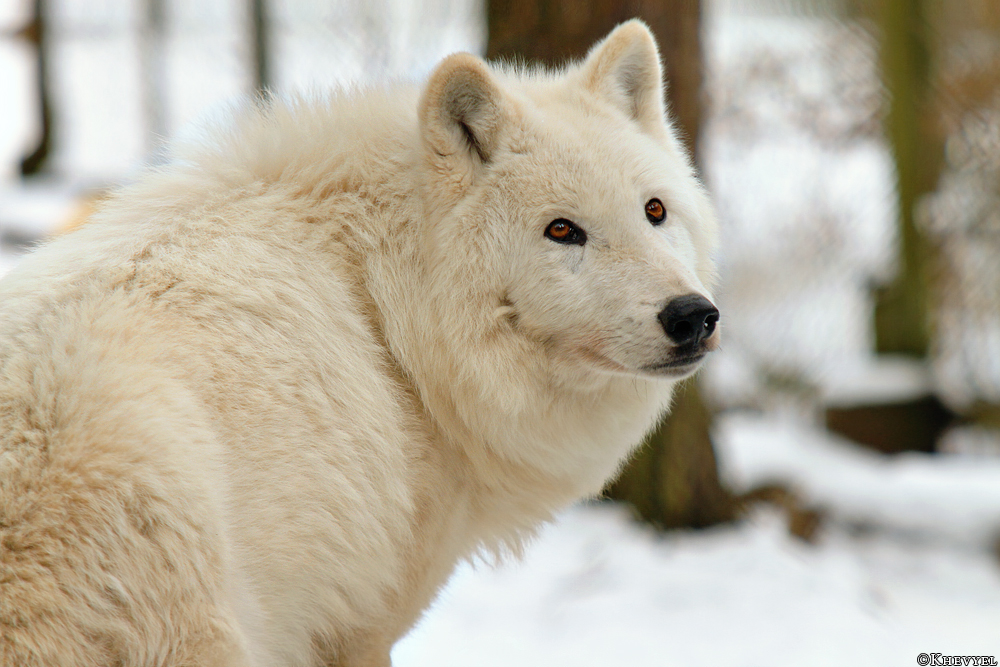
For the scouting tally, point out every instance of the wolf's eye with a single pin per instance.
(655, 212)
(564, 231)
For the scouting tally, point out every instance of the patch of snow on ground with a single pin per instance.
(598, 590)
(928, 497)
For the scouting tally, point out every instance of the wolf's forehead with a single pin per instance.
(570, 169)
(589, 157)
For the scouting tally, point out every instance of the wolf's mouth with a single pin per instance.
(677, 365)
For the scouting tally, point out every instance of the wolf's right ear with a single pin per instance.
(462, 112)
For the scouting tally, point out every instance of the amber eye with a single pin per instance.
(655, 212)
(564, 231)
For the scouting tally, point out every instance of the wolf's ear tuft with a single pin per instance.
(462, 110)
(624, 69)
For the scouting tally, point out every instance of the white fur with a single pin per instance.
(255, 410)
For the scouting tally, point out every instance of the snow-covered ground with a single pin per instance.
(596, 590)
(914, 497)
(903, 565)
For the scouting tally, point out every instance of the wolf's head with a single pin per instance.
(573, 208)
(556, 281)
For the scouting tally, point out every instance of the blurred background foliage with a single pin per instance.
(852, 146)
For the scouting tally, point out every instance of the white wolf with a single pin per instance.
(255, 410)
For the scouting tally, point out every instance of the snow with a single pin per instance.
(15, 111)
(903, 564)
(947, 499)
(598, 590)
(804, 184)
(877, 379)
(36, 209)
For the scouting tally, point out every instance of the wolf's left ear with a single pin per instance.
(625, 70)
(462, 111)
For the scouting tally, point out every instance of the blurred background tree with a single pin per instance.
(36, 33)
(902, 308)
(939, 65)
(673, 481)
(260, 45)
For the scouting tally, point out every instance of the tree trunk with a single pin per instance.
(36, 33)
(261, 45)
(673, 480)
(153, 66)
(554, 31)
(902, 308)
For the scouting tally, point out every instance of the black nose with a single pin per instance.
(689, 319)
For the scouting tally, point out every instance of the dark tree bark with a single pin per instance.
(153, 65)
(553, 31)
(902, 308)
(36, 33)
(261, 45)
(673, 480)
